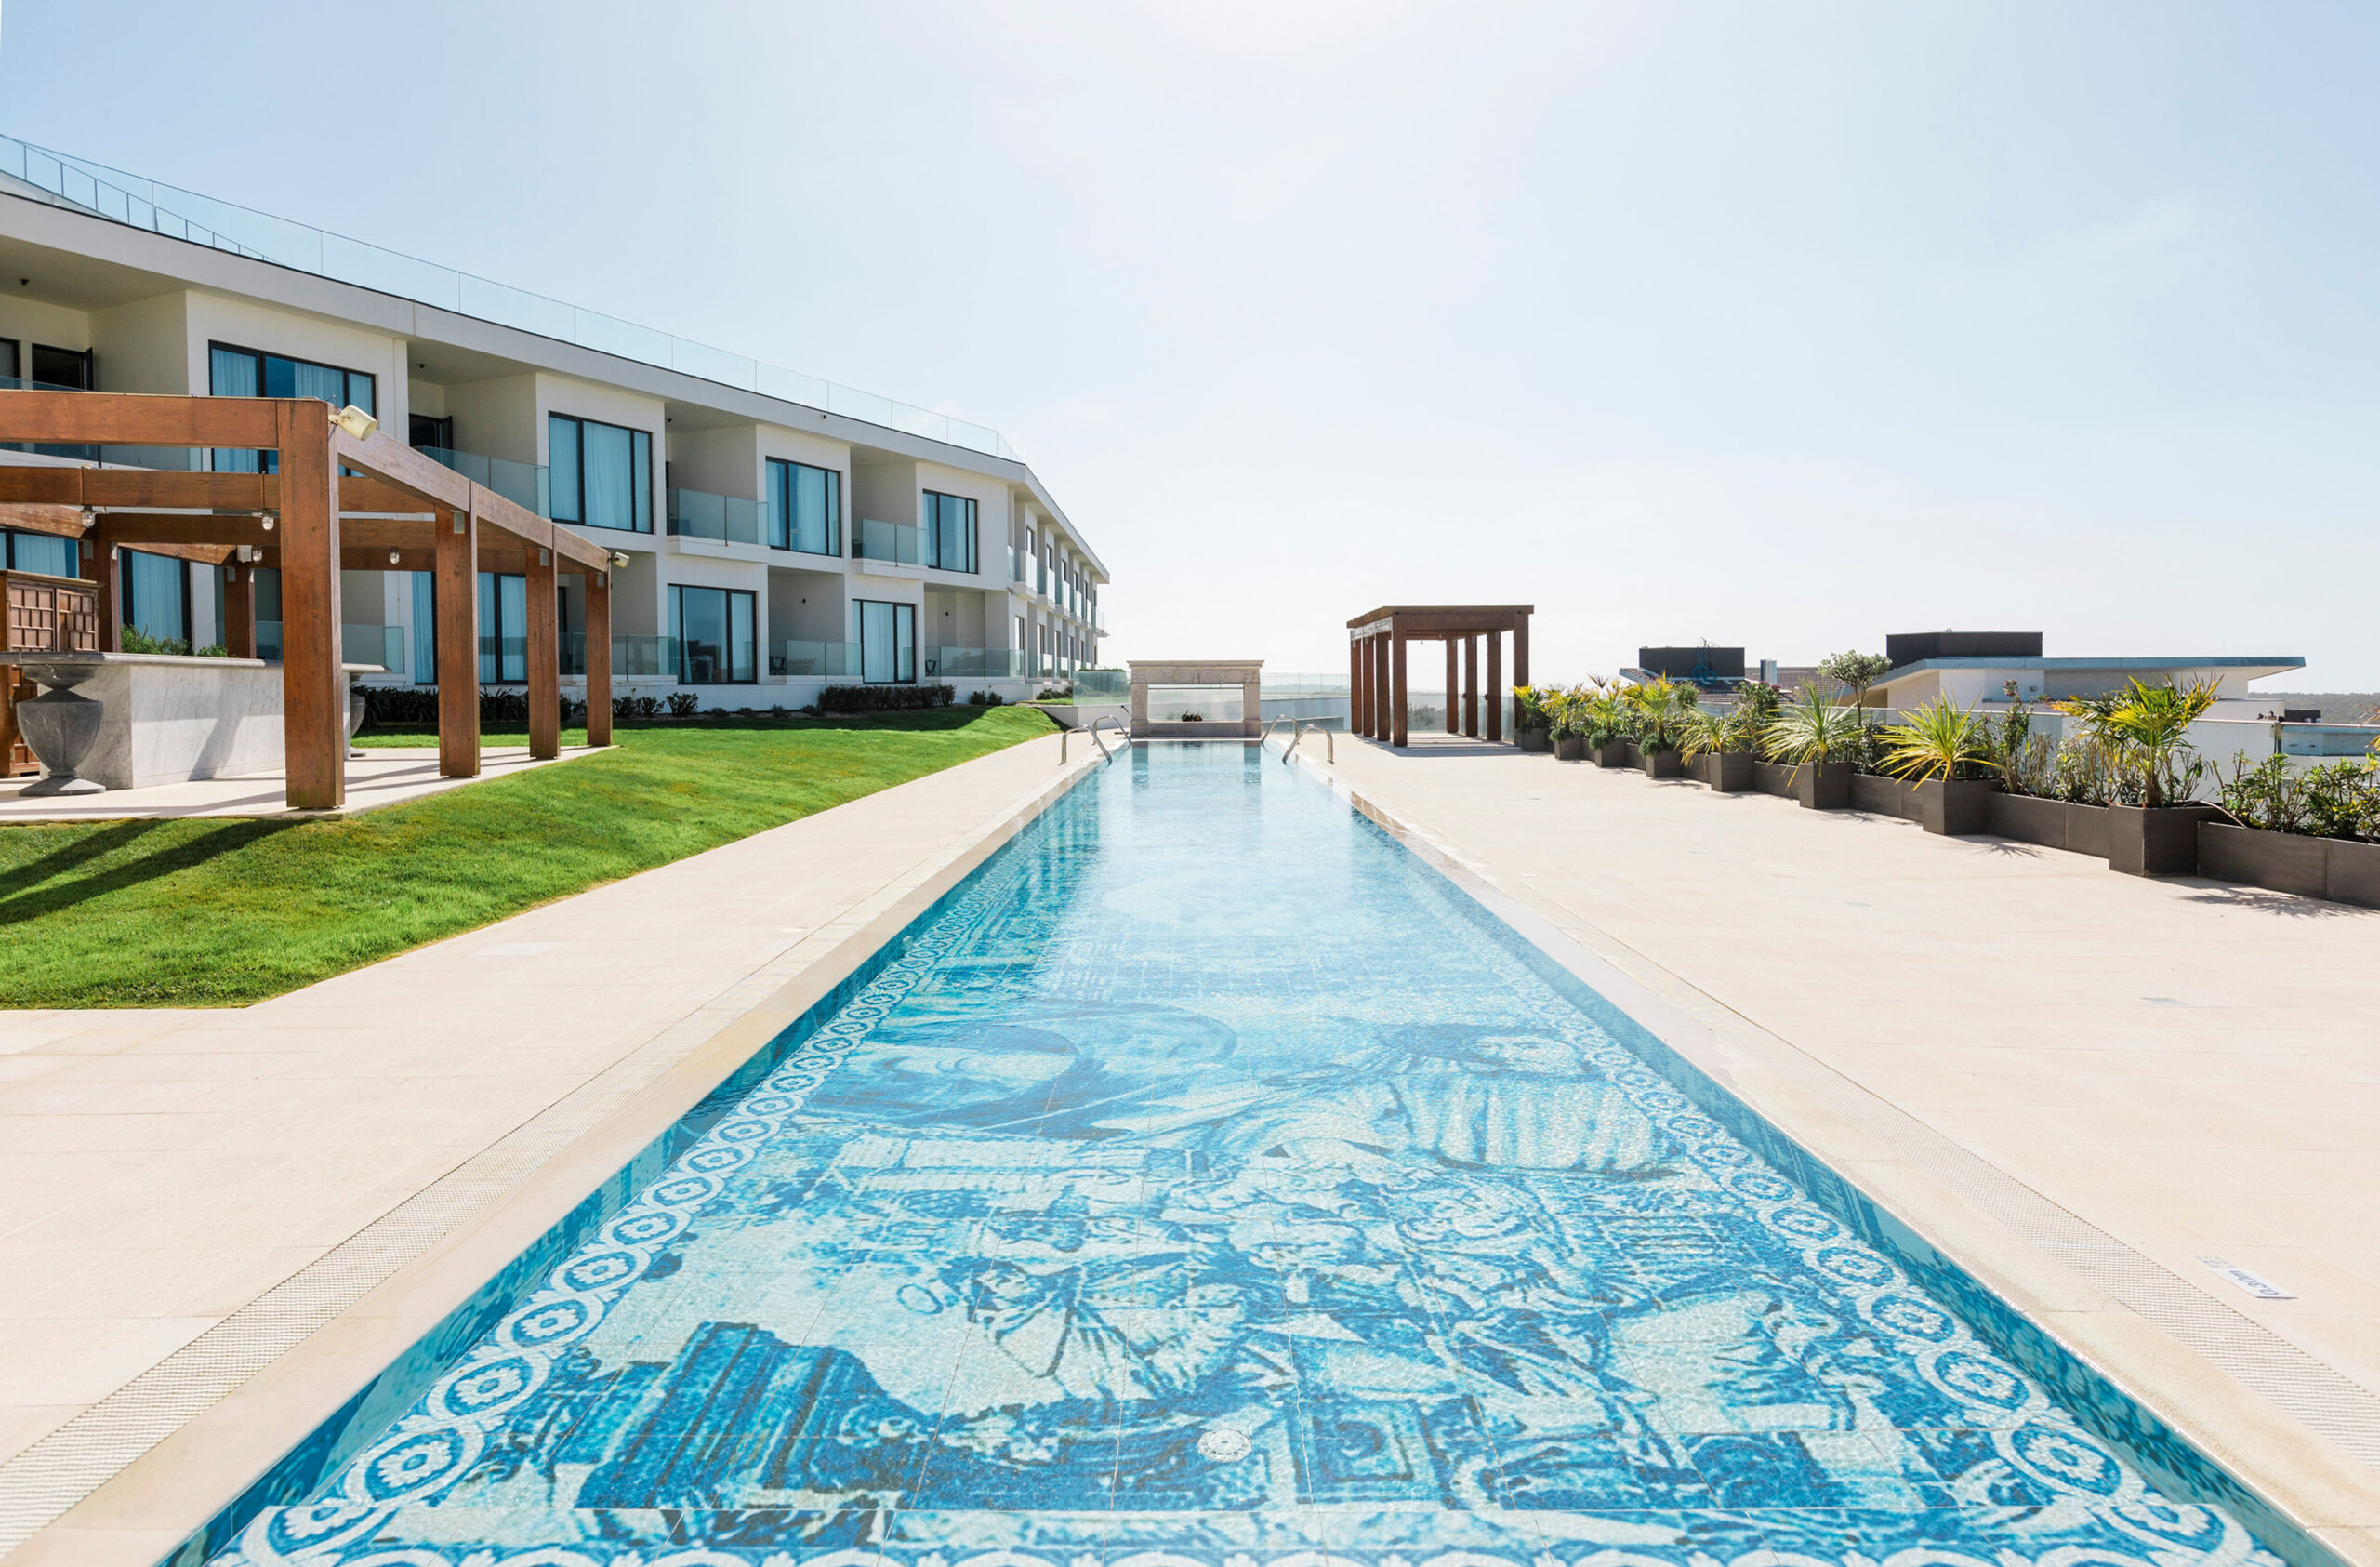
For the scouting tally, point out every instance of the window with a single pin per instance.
(43, 552)
(713, 629)
(602, 474)
(422, 431)
(156, 596)
(244, 372)
(887, 642)
(805, 508)
(10, 367)
(425, 628)
(950, 532)
(504, 628)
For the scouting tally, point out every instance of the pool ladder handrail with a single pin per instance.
(1123, 740)
(1329, 746)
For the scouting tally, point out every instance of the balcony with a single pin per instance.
(523, 483)
(829, 660)
(901, 543)
(1015, 564)
(973, 663)
(727, 519)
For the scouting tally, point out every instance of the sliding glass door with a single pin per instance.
(888, 642)
(714, 628)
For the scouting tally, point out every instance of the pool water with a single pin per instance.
(1211, 1184)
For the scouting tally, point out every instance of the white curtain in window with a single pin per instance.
(610, 490)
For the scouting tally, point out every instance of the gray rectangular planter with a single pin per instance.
(1823, 786)
(1957, 807)
(1727, 772)
(2086, 828)
(1535, 740)
(1628, 755)
(2029, 819)
(1772, 777)
(1660, 765)
(1885, 796)
(2336, 869)
(2351, 873)
(1612, 755)
(1570, 747)
(2159, 842)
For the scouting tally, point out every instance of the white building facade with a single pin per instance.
(776, 534)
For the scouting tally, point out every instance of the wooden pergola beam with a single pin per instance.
(123, 418)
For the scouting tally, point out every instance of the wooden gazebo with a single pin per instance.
(391, 510)
(1376, 663)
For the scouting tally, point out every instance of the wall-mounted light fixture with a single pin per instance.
(355, 421)
(393, 557)
(268, 520)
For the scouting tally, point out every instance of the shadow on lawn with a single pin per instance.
(23, 897)
(916, 721)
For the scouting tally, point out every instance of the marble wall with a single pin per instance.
(169, 720)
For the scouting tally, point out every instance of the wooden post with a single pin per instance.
(1495, 692)
(239, 608)
(1383, 726)
(106, 575)
(599, 657)
(1520, 651)
(1450, 688)
(454, 607)
(1355, 685)
(1471, 688)
(545, 656)
(1398, 734)
(314, 687)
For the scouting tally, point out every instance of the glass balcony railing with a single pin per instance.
(727, 518)
(523, 483)
(384, 645)
(899, 542)
(1015, 564)
(646, 658)
(143, 204)
(830, 661)
(973, 663)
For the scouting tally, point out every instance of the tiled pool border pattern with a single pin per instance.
(339, 1436)
(2165, 1455)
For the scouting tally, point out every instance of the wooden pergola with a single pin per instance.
(393, 509)
(1376, 663)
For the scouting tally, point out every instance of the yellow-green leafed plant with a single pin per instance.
(2147, 728)
(1937, 741)
(1658, 713)
(1810, 729)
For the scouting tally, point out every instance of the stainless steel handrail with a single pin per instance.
(1329, 746)
(1123, 738)
(1266, 738)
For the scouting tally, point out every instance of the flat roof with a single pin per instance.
(2272, 665)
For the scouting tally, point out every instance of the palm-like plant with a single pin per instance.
(1707, 733)
(1937, 741)
(1605, 718)
(1659, 712)
(1811, 729)
(2147, 726)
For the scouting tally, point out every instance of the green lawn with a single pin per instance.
(221, 913)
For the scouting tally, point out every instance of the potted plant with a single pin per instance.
(1566, 723)
(1813, 736)
(1532, 719)
(1939, 750)
(1605, 720)
(1659, 712)
(2152, 828)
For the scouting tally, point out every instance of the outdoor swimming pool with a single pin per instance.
(1212, 1182)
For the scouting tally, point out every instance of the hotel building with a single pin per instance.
(772, 533)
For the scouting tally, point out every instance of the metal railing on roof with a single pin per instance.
(185, 215)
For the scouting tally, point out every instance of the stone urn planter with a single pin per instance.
(1958, 807)
(355, 710)
(60, 726)
(1536, 739)
(1823, 786)
(2159, 842)
(1661, 764)
(1570, 747)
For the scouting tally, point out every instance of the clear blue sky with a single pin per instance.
(1786, 324)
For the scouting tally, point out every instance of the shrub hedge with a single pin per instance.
(883, 698)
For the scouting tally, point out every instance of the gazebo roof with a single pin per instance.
(1455, 620)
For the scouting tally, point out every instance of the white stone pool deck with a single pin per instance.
(2079, 1083)
(2076, 1082)
(215, 1224)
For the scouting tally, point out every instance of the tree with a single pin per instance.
(1855, 672)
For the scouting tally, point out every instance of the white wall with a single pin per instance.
(212, 318)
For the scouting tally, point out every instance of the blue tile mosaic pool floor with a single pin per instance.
(1207, 1186)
